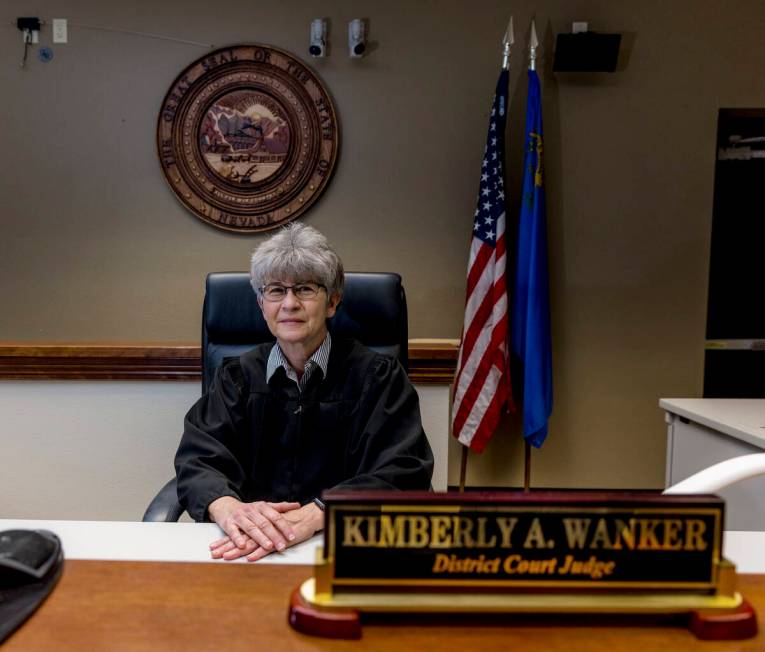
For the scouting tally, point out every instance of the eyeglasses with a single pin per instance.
(302, 291)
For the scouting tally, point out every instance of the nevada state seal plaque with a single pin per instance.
(247, 138)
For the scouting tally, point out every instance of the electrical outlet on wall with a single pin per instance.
(60, 30)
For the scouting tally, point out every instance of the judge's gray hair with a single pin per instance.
(297, 253)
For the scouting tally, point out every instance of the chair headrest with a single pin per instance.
(231, 311)
(373, 311)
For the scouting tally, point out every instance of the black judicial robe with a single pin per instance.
(358, 428)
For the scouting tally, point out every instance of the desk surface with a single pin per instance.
(106, 600)
(742, 418)
(149, 606)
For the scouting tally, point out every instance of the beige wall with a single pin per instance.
(95, 247)
(118, 436)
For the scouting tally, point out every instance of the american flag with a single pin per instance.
(482, 383)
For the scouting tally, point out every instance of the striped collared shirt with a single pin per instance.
(319, 360)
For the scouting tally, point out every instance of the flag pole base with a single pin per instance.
(463, 468)
(708, 617)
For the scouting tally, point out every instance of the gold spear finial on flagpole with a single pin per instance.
(507, 42)
(533, 45)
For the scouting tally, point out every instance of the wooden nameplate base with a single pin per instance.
(514, 553)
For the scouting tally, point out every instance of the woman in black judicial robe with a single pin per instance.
(286, 421)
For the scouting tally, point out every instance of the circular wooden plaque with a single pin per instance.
(247, 137)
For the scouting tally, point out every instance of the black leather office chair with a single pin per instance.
(373, 311)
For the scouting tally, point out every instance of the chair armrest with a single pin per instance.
(721, 475)
(165, 506)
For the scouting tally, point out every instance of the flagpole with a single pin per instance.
(533, 45)
(488, 236)
(463, 468)
(507, 42)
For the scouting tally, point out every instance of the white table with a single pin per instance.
(136, 541)
(704, 431)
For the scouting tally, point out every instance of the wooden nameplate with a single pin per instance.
(544, 552)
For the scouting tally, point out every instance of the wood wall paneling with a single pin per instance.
(429, 362)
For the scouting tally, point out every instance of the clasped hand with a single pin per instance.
(257, 529)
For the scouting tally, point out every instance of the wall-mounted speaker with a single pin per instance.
(586, 52)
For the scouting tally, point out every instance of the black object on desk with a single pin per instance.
(31, 562)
